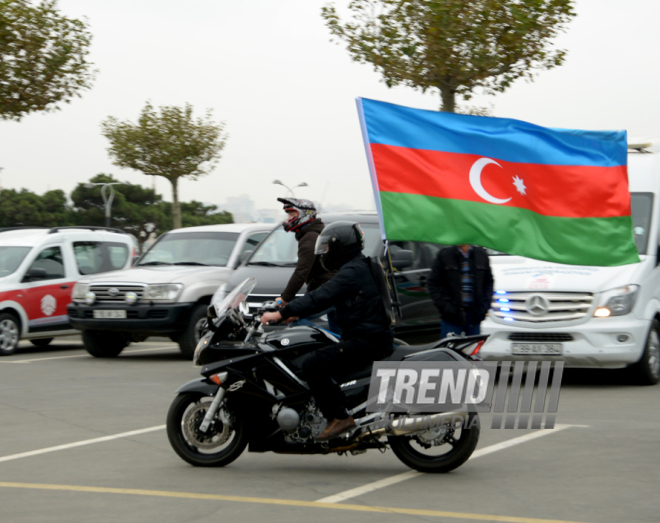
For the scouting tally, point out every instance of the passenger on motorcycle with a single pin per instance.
(367, 333)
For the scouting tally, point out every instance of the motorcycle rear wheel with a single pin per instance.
(418, 454)
(219, 446)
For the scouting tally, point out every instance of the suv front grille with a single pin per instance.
(541, 307)
(540, 336)
(103, 294)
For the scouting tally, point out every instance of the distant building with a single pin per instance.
(241, 207)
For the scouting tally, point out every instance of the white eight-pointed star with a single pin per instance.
(520, 185)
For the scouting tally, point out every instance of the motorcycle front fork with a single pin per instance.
(210, 413)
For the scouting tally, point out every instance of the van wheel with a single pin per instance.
(189, 338)
(10, 333)
(101, 344)
(42, 342)
(647, 370)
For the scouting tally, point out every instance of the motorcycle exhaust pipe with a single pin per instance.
(411, 424)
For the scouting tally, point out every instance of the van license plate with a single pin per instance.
(551, 349)
(109, 315)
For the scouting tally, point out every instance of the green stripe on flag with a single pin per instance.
(574, 241)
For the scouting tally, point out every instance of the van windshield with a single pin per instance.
(280, 249)
(642, 208)
(11, 258)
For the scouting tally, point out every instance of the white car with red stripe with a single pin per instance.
(38, 269)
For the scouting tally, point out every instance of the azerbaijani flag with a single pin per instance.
(551, 194)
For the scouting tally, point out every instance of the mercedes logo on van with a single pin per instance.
(113, 291)
(537, 305)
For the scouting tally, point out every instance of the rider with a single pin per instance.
(303, 222)
(367, 333)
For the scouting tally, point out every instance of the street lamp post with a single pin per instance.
(289, 189)
(107, 200)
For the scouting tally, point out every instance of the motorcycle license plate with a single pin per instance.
(109, 315)
(549, 349)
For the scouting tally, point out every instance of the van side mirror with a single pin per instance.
(244, 256)
(35, 274)
(402, 259)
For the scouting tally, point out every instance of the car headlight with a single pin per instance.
(163, 292)
(79, 291)
(617, 302)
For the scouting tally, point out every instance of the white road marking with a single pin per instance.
(80, 443)
(392, 480)
(32, 360)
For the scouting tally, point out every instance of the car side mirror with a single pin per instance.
(35, 274)
(402, 259)
(244, 257)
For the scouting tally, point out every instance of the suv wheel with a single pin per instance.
(101, 344)
(10, 333)
(647, 369)
(189, 338)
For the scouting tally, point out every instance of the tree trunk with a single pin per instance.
(448, 99)
(176, 208)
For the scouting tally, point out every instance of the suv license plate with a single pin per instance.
(109, 315)
(551, 349)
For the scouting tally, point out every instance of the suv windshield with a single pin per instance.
(11, 258)
(280, 249)
(191, 248)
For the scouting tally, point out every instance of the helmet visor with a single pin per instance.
(321, 245)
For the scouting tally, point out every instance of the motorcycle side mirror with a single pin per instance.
(402, 259)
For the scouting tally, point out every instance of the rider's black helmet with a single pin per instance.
(338, 243)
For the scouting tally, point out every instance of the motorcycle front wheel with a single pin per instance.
(223, 442)
(438, 450)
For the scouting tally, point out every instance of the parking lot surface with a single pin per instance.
(83, 438)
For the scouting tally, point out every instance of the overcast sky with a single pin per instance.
(287, 94)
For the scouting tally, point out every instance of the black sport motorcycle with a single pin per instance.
(252, 393)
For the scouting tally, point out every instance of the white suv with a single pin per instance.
(38, 269)
(166, 293)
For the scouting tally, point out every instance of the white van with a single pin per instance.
(39, 267)
(607, 317)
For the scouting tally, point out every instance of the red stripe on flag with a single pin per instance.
(550, 190)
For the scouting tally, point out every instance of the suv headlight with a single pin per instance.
(163, 292)
(79, 291)
(617, 302)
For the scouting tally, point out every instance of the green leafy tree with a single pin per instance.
(43, 58)
(135, 209)
(453, 46)
(25, 208)
(170, 143)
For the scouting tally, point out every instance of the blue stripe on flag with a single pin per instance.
(497, 138)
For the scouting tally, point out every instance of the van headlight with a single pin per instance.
(617, 302)
(163, 292)
(79, 291)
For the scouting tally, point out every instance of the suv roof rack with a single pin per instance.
(22, 227)
(86, 228)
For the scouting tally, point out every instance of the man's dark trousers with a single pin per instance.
(324, 369)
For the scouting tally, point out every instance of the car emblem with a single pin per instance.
(113, 291)
(284, 342)
(537, 305)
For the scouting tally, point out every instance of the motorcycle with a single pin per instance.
(252, 393)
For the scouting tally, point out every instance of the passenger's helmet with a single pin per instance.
(305, 213)
(339, 243)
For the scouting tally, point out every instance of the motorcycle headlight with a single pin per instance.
(79, 291)
(617, 302)
(163, 292)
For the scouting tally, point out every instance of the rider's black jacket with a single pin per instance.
(355, 295)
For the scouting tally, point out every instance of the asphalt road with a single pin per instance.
(83, 439)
